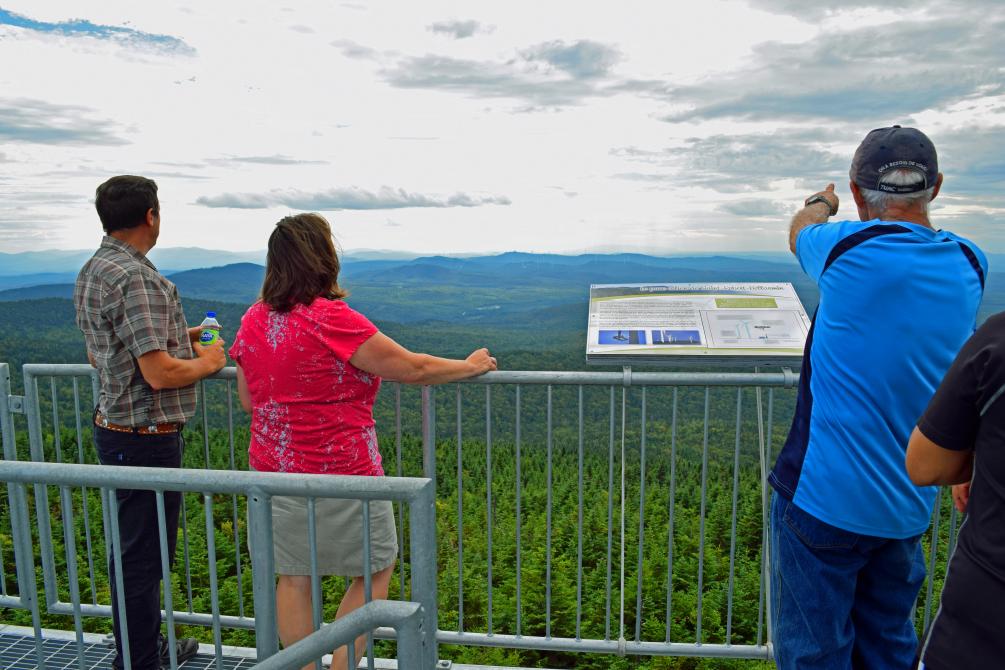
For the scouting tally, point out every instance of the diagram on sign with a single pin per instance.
(746, 328)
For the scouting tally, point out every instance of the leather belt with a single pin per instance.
(152, 429)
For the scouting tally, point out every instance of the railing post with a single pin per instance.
(422, 513)
(24, 561)
(36, 445)
(764, 454)
(263, 573)
(429, 432)
(6, 419)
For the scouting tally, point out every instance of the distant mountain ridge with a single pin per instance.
(240, 282)
(511, 288)
(168, 259)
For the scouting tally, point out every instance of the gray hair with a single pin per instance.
(880, 201)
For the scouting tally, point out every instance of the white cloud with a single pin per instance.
(347, 198)
(667, 128)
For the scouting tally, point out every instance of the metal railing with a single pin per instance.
(405, 618)
(646, 487)
(78, 486)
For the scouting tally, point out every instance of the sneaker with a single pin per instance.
(185, 648)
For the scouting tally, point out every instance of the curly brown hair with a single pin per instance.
(302, 263)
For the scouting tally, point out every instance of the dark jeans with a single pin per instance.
(140, 540)
(841, 600)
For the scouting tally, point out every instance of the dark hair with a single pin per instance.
(301, 264)
(123, 201)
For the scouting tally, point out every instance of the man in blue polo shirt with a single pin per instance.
(898, 299)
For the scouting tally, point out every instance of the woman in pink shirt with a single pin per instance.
(308, 371)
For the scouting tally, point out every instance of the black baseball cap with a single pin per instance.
(894, 148)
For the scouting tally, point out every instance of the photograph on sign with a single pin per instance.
(720, 322)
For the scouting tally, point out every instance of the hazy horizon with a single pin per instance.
(440, 128)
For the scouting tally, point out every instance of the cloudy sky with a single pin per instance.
(460, 127)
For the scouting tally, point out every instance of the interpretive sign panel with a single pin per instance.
(675, 324)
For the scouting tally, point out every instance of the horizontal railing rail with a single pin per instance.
(592, 511)
(404, 617)
(259, 488)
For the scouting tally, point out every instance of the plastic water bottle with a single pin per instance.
(210, 330)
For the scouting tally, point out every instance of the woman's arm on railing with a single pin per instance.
(382, 356)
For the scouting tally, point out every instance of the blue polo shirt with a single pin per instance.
(897, 301)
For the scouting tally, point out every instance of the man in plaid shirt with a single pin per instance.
(138, 339)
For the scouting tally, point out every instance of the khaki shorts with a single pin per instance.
(339, 525)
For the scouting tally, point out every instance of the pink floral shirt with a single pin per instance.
(312, 409)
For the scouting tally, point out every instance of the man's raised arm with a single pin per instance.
(817, 209)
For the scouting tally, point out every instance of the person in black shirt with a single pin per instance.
(960, 439)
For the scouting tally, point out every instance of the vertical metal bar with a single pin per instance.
(9, 454)
(113, 514)
(548, 503)
(106, 527)
(670, 513)
(488, 495)
(410, 641)
(205, 422)
(70, 545)
(610, 521)
(951, 545)
(25, 563)
(17, 496)
(3, 560)
(460, 518)
(56, 441)
(234, 513)
(312, 543)
(367, 578)
(84, 496)
(934, 552)
(58, 448)
(579, 523)
(95, 389)
(6, 420)
(701, 520)
(764, 622)
(167, 578)
(185, 552)
(621, 515)
(263, 573)
(36, 447)
(429, 432)
(771, 416)
(401, 508)
(732, 535)
(214, 592)
(77, 423)
(519, 518)
(416, 527)
(422, 511)
(642, 521)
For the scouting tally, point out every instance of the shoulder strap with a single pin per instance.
(974, 263)
(864, 235)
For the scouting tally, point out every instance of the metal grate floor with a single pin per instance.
(59, 648)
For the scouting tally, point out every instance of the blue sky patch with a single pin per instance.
(84, 28)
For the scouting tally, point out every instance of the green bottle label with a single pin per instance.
(208, 336)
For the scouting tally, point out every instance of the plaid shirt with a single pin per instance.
(126, 308)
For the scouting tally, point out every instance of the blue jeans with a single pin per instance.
(841, 600)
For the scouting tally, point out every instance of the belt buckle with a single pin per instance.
(152, 428)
